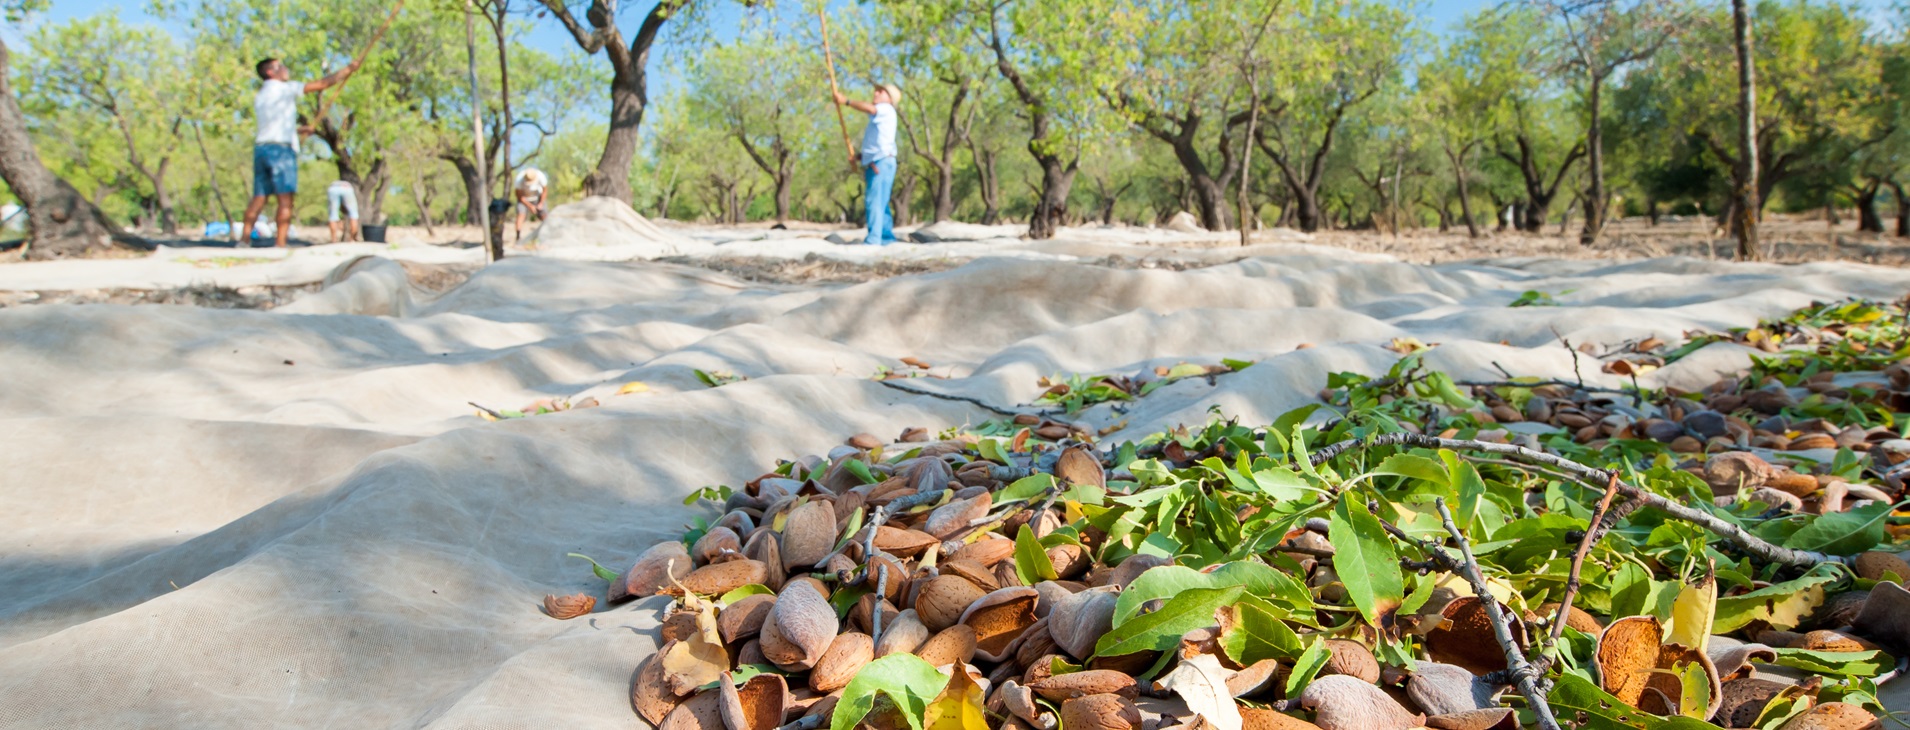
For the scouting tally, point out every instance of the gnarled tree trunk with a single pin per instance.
(629, 83)
(64, 223)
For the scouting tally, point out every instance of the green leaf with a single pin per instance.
(1258, 633)
(1167, 581)
(1031, 559)
(1843, 533)
(908, 681)
(1598, 710)
(1413, 466)
(1364, 558)
(1307, 667)
(1694, 699)
(1846, 663)
(843, 599)
(861, 471)
(1161, 630)
(992, 450)
(753, 589)
(1027, 487)
(1782, 605)
(602, 572)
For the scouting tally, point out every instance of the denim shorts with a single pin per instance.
(274, 169)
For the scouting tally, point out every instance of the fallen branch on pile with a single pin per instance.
(1598, 479)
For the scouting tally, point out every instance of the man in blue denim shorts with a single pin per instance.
(275, 148)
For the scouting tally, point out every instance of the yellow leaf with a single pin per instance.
(634, 386)
(486, 415)
(1692, 614)
(959, 706)
(697, 659)
(1072, 511)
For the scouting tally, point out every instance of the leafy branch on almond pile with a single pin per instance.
(1412, 552)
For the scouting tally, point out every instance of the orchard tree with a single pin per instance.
(1351, 50)
(759, 91)
(63, 223)
(1602, 38)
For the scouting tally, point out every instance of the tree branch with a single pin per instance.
(1527, 678)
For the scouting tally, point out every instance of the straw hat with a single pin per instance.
(895, 92)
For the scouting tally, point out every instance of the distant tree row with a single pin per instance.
(1311, 114)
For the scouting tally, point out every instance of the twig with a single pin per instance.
(875, 612)
(1632, 391)
(1569, 348)
(808, 722)
(902, 504)
(946, 396)
(876, 518)
(1527, 677)
(1597, 478)
(1593, 531)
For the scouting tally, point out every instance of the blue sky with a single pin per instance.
(549, 36)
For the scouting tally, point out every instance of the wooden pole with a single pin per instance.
(496, 248)
(829, 58)
(325, 100)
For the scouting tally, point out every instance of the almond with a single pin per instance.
(656, 569)
(721, 578)
(1084, 683)
(798, 629)
(1813, 441)
(744, 619)
(1833, 716)
(572, 606)
(703, 711)
(763, 547)
(942, 599)
(1253, 718)
(999, 618)
(1100, 712)
(1876, 565)
(1078, 620)
(903, 543)
(865, 441)
(1341, 702)
(1729, 472)
(846, 655)
(945, 521)
(955, 644)
(1354, 660)
(902, 636)
(759, 703)
(1464, 637)
(1831, 641)
(1077, 465)
(717, 541)
(809, 532)
(1069, 560)
(986, 553)
(972, 571)
(650, 695)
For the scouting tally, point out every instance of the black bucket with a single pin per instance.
(373, 234)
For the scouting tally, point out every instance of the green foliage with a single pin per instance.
(903, 679)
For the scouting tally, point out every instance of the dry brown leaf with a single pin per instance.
(1202, 684)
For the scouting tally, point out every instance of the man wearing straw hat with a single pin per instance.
(877, 159)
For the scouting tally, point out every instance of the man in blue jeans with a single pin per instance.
(275, 147)
(877, 158)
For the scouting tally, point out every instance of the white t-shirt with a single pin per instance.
(531, 180)
(276, 107)
(878, 139)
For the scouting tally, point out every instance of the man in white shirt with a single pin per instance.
(530, 191)
(877, 158)
(275, 147)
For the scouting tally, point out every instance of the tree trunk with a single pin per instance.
(1465, 196)
(990, 182)
(944, 192)
(212, 176)
(1747, 201)
(474, 192)
(628, 84)
(901, 207)
(1868, 221)
(1651, 210)
(1595, 159)
(501, 29)
(1903, 208)
(1056, 180)
(63, 222)
(782, 195)
(420, 195)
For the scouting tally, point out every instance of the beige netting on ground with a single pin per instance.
(291, 519)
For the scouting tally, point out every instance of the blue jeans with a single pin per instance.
(879, 176)
(274, 170)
